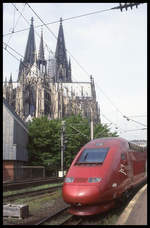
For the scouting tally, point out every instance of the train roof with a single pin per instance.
(107, 139)
(114, 140)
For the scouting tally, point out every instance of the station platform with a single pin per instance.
(136, 211)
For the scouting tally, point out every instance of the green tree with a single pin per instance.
(44, 140)
(77, 134)
(76, 140)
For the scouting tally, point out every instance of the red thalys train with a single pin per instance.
(101, 172)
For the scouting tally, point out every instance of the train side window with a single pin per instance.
(123, 157)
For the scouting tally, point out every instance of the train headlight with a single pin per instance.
(94, 179)
(69, 179)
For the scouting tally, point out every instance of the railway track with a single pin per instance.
(31, 193)
(73, 220)
(29, 183)
(61, 217)
(52, 216)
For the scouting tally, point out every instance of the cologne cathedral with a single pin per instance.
(45, 87)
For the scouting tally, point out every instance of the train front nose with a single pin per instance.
(75, 194)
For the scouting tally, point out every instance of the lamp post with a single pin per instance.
(62, 146)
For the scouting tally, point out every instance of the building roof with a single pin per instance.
(14, 114)
(79, 89)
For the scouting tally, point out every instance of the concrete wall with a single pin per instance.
(9, 150)
(15, 137)
(8, 170)
(12, 170)
(20, 140)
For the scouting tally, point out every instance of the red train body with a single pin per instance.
(101, 172)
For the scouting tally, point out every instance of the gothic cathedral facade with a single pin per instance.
(45, 87)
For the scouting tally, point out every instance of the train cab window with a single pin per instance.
(123, 157)
(93, 155)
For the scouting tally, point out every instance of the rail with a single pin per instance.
(27, 183)
(31, 193)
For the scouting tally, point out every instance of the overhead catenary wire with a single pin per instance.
(30, 71)
(14, 20)
(14, 24)
(20, 14)
(95, 12)
(47, 89)
(70, 18)
(67, 50)
(74, 58)
(116, 126)
(69, 53)
(56, 37)
(42, 21)
(135, 116)
(49, 50)
(124, 116)
(128, 119)
(17, 58)
(141, 129)
(111, 122)
(65, 19)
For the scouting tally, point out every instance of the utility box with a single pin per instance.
(20, 211)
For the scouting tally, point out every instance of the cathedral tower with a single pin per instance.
(62, 66)
(29, 56)
(46, 87)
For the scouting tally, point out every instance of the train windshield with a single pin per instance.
(93, 155)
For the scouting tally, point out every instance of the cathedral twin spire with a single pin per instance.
(30, 53)
(30, 48)
(63, 71)
(63, 68)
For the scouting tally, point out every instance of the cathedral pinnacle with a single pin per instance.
(31, 20)
(10, 80)
(41, 62)
(41, 48)
(5, 81)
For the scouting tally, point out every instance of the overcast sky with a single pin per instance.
(111, 46)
